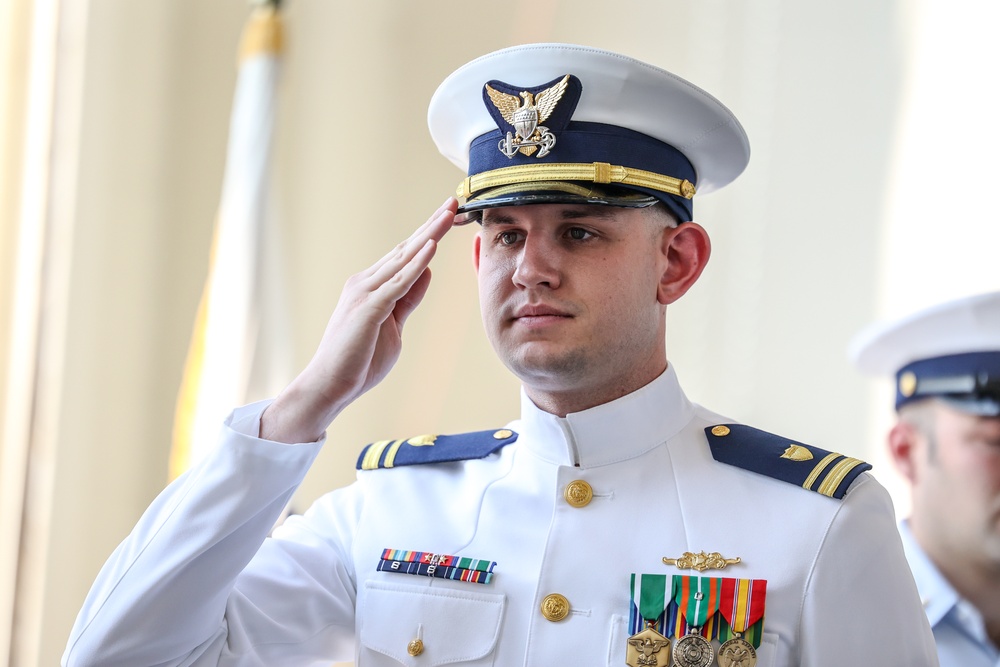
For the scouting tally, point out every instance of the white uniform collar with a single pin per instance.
(936, 594)
(608, 433)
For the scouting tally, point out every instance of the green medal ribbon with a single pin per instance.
(653, 598)
(646, 620)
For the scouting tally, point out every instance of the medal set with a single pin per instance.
(694, 611)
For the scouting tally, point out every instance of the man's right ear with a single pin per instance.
(904, 448)
(476, 245)
(684, 251)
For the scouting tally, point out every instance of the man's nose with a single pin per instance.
(537, 265)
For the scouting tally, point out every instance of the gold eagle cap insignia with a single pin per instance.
(526, 112)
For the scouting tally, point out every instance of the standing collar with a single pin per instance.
(608, 433)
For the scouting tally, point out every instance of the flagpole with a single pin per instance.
(224, 341)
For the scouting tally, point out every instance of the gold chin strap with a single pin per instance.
(595, 172)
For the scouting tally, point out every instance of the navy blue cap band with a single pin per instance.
(585, 142)
(973, 376)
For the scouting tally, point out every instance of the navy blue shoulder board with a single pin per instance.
(810, 467)
(433, 449)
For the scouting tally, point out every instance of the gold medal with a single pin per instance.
(650, 597)
(693, 651)
(648, 649)
(737, 652)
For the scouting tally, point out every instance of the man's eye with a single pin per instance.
(507, 238)
(578, 234)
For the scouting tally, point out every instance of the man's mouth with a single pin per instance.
(540, 314)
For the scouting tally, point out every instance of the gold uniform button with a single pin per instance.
(555, 607)
(720, 430)
(578, 493)
(415, 647)
(503, 434)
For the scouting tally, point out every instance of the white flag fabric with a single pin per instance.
(237, 341)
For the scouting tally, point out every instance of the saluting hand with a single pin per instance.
(363, 338)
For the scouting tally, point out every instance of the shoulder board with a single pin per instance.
(828, 473)
(433, 449)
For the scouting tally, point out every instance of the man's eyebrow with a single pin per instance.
(496, 218)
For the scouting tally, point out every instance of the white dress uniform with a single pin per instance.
(959, 630)
(198, 582)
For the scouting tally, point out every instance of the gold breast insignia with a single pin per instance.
(702, 561)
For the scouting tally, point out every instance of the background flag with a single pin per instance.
(238, 348)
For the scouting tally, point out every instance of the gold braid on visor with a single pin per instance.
(595, 172)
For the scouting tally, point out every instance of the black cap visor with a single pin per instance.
(550, 192)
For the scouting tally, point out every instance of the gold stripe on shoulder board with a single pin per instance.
(814, 475)
(837, 475)
(374, 453)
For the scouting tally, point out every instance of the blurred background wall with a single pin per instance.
(872, 125)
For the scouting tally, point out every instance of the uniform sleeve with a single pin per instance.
(861, 605)
(192, 584)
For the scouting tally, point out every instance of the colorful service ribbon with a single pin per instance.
(742, 608)
(653, 606)
(697, 601)
(424, 563)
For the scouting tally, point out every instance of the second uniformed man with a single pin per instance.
(614, 522)
(946, 442)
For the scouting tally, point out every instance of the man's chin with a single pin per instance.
(546, 365)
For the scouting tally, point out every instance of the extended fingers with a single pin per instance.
(417, 238)
(407, 303)
(397, 286)
(434, 229)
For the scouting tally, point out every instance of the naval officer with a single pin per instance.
(613, 522)
(946, 442)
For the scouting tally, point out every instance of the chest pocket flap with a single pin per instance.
(452, 626)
